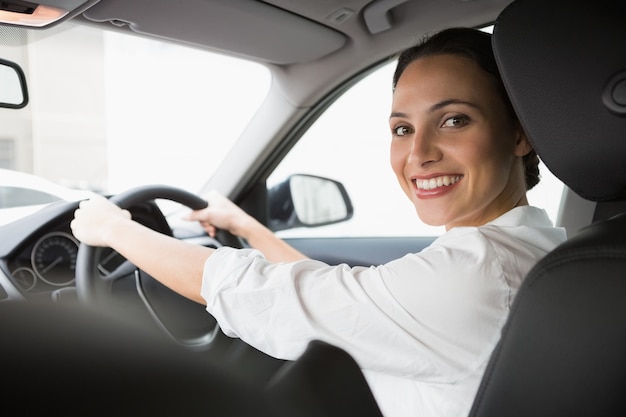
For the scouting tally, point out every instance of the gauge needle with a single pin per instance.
(52, 264)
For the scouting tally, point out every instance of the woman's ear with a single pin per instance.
(522, 144)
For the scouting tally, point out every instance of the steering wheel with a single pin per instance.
(186, 322)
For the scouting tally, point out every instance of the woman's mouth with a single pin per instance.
(436, 182)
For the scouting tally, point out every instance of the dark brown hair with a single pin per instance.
(475, 45)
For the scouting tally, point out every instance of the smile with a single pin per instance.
(432, 183)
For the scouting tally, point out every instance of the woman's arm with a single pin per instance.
(174, 263)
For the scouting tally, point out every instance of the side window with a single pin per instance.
(350, 143)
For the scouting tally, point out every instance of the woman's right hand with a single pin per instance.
(222, 213)
(225, 215)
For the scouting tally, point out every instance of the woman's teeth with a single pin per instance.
(433, 183)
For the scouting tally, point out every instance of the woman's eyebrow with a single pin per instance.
(397, 114)
(450, 101)
(438, 106)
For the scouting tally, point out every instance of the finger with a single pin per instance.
(195, 215)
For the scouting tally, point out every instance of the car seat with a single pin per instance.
(563, 348)
(325, 381)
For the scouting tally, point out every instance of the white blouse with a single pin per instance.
(421, 327)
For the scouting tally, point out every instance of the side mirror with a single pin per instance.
(13, 92)
(307, 201)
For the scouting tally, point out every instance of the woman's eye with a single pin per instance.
(455, 121)
(401, 131)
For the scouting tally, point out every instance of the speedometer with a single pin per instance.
(54, 258)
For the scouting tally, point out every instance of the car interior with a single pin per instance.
(117, 341)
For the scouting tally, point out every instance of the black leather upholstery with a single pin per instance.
(563, 349)
(323, 382)
(564, 66)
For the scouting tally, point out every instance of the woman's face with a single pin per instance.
(455, 150)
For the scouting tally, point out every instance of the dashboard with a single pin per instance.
(38, 253)
(38, 256)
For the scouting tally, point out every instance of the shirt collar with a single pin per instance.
(523, 215)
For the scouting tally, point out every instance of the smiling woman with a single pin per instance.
(458, 152)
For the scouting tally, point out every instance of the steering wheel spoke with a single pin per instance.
(125, 270)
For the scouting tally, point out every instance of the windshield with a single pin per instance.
(109, 111)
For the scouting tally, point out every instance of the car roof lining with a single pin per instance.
(320, 45)
(245, 27)
(308, 30)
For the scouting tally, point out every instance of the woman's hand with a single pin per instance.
(223, 214)
(93, 218)
(226, 215)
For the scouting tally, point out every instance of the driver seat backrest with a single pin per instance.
(563, 348)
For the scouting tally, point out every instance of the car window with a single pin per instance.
(350, 143)
(108, 111)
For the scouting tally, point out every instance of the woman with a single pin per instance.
(421, 327)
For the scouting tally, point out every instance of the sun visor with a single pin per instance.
(244, 28)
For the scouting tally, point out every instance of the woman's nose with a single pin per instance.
(424, 149)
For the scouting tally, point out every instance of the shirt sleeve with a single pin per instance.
(435, 315)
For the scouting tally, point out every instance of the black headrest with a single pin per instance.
(564, 66)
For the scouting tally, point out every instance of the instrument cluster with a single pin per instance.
(46, 260)
(49, 263)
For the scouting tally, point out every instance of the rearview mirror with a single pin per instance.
(307, 201)
(13, 92)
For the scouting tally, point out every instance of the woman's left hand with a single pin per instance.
(93, 218)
